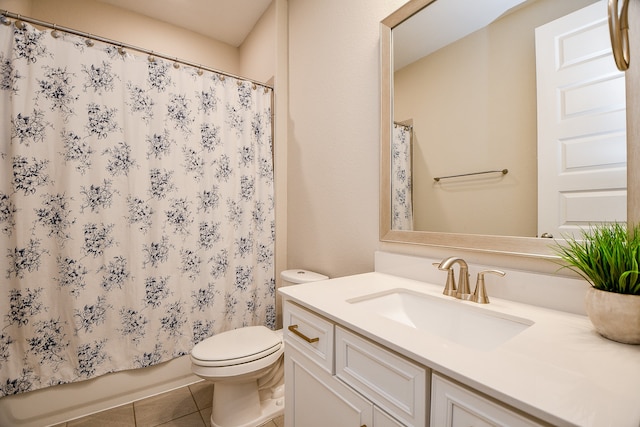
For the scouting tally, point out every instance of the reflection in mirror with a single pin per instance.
(401, 178)
(474, 100)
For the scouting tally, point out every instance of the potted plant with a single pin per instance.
(608, 257)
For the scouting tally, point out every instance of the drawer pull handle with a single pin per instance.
(294, 329)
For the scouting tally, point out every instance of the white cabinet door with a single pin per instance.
(382, 419)
(455, 406)
(388, 380)
(314, 398)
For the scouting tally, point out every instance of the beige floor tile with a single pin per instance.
(178, 408)
(206, 416)
(164, 407)
(202, 393)
(276, 422)
(191, 420)
(279, 422)
(121, 416)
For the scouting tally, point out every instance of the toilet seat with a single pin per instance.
(235, 347)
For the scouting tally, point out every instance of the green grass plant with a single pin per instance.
(606, 255)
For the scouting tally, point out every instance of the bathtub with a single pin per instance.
(53, 405)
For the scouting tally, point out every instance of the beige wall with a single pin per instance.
(117, 24)
(22, 7)
(281, 129)
(334, 133)
(258, 51)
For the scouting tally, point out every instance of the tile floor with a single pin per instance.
(185, 407)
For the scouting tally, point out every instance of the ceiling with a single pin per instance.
(442, 23)
(229, 21)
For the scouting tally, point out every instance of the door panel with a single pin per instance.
(581, 124)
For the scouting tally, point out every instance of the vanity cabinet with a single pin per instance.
(334, 377)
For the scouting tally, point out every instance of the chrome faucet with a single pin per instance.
(462, 291)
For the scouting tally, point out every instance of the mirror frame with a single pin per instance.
(509, 245)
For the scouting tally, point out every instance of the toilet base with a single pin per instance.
(240, 406)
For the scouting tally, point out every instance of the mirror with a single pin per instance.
(521, 177)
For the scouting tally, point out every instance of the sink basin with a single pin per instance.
(453, 320)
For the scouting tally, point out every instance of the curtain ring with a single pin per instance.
(89, 42)
(176, 64)
(54, 32)
(221, 77)
(200, 72)
(5, 20)
(151, 58)
(619, 33)
(121, 50)
(19, 24)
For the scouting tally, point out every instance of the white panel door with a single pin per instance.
(581, 124)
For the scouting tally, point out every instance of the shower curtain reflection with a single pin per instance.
(401, 184)
(136, 209)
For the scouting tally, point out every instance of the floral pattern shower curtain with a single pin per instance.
(401, 184)
(136, 208)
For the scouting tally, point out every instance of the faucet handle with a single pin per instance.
(450, 285)
(480, 294)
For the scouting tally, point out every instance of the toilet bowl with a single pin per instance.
(246, 366)
(239, 363)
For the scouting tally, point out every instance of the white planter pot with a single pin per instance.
(614, 316)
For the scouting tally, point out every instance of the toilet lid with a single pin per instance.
(237, 346)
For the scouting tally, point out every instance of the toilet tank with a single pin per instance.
(297, 276)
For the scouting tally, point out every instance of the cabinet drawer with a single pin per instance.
(453, 406)
(388, 380)
(309, 333)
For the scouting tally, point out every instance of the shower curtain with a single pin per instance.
(136, 208)
(401, 184)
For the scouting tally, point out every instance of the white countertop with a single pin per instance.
(558, 370)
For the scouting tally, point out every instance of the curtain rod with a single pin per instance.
(6, 14)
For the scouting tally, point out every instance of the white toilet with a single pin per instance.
(246, 367)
